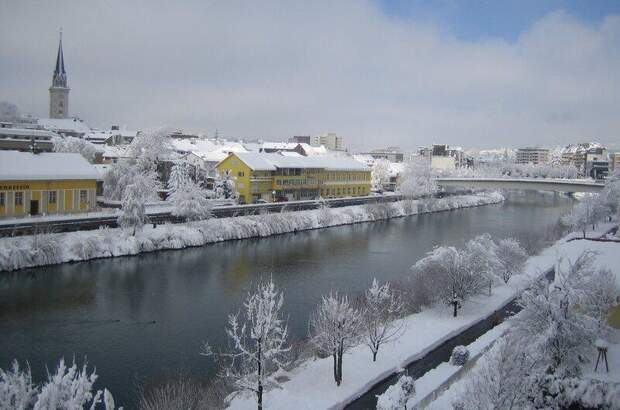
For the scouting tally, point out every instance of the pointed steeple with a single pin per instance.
(60, 75)
(59, 91)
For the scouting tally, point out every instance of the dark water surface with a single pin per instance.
(141, 318)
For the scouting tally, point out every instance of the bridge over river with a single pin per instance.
(525, 184)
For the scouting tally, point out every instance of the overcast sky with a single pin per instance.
(476, 73)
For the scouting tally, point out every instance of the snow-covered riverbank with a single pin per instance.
(47, 249)
(312, 387)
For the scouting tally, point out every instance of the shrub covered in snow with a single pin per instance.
(460, 356)
(396, 396)
(69, 388)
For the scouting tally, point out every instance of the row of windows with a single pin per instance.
(343, 191)
(51, 197)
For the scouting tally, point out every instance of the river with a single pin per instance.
(139, 319)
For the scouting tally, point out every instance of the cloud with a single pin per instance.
(280, 68)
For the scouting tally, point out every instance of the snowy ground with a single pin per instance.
(46, 249)
(608, 256)
(311, 385)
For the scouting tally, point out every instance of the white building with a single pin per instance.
(330, 140)
(532, 155)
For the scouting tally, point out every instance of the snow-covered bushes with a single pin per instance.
(69, 388)
(179, 393)
(511, 170)
(459, 356)
(15, 253)
(396, 396)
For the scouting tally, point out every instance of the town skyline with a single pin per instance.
(549, 85)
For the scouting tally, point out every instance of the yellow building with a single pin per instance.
(278, 177)
(46, 183)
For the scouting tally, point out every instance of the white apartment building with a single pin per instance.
(330, 140)
(532, 155)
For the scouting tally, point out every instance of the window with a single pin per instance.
(51, 197)
(19, 198)
(2, 198)
(240, 174)
(83, 196)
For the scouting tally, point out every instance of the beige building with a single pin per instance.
(532, 155)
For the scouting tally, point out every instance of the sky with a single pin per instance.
(478, 74)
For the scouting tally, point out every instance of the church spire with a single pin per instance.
(59, 91)
(60, 75)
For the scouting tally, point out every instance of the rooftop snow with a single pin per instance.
(17, 166)
(27, 133)
(69, 124)
(270, 162)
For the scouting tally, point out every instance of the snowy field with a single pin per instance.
(47, 249)
(311, 385)
(607, 256)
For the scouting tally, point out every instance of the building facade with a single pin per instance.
(532, 155)
(59, 91)
(46, 183)
(277, 177)
(614, 161)
(330, 140)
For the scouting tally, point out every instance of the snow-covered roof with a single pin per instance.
(16, 166)
(272, 161)
(581, 147)
(209, 150)
(115, 151)
(68, 124)
(279, 145)
(312, 150)
(26, 133)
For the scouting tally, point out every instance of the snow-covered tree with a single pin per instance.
(137, 172)
(190, 202)
(69, 388)
(152, 146)
(480, 256)
(133, 215)
(334, 329)
(500, 380)
(381, 308)
(179, 176)
(555, 329)
(511, 258)
(587, 212)
(397, 395)
(76, 145)
(448, 275)
(8, 111)
(325, 214)
(380, 174)
(417, 179)
(258, 342)
(189, 199)
(225, 186)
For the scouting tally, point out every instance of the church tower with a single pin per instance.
(59, 91)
